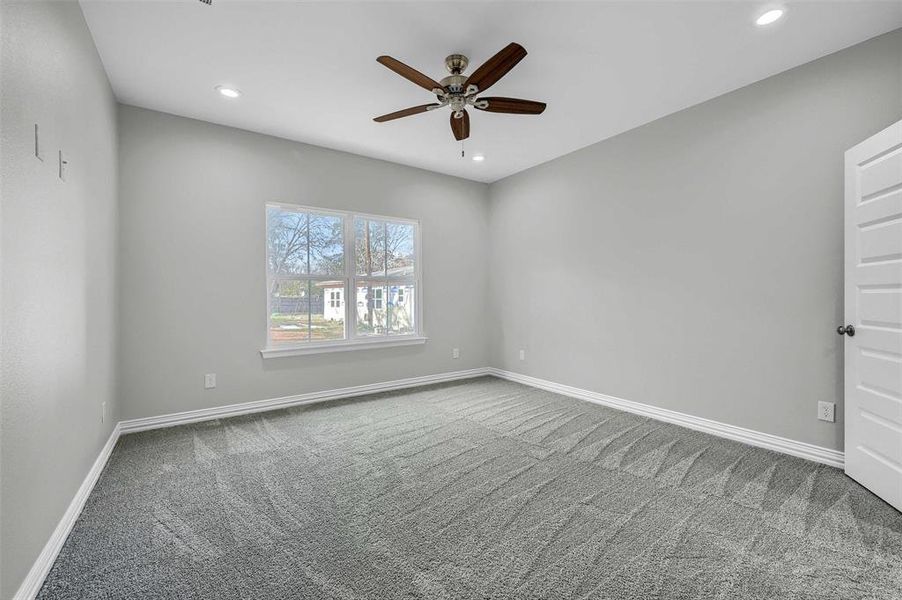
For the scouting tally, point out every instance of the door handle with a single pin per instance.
(849, 330)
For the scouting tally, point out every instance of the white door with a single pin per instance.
(873, 314)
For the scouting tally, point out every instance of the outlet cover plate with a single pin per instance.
(826, 411)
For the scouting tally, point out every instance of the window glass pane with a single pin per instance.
(371, 309)
(369, 246)
(401, 309)
(327, 311)
(326, 242)
(288, 311)
(286, 241)
(399, 248)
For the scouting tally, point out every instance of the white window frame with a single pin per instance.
(350, 281)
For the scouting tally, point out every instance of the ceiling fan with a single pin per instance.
(459, 91)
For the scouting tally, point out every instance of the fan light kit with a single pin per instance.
(770, 16)
(458, 91)
(228, 92)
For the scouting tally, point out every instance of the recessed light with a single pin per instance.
(478, 157)
(770, 16)
(228, 92)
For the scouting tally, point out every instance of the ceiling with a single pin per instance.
(308, 71)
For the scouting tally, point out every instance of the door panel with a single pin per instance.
(880, 307)
(880, 371)
(873, 213)
(880, 175)
(881, 242)
(882, 436)
(873, 304)
(880, 405)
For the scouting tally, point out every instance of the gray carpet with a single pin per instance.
(481, 489)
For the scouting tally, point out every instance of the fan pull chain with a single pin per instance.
(462, 153)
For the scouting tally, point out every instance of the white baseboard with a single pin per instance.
(834, 458)
(35, 578)
(41, 567)
(220, 412)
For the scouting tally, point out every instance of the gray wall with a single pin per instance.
(193, 291)
(695, 263)
(58, 251)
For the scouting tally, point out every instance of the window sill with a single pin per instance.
(279, 352)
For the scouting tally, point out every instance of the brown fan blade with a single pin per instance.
(409, 73)
(511, 105)
(496, 67)
(460, 127)
(413, 110)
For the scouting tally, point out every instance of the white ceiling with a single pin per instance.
(309, 72)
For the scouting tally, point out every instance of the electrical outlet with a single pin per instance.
(103, 412)
(455, 353)
(826, 411)
(209, 381)
(522, 354)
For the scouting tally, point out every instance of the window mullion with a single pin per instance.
(350, 263)
(309, 307)
(388, 314)
(309, 283)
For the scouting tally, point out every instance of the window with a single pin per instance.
(338, 280)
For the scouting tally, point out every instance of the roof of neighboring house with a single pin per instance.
(397, 271)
